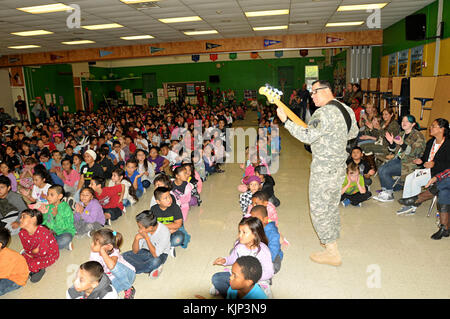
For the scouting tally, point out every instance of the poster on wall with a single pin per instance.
(16, 77)
(249, 94)
(403, 62)
(416, 61)
(190, 88)
(393, 64)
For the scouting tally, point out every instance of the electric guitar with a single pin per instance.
(273, 95)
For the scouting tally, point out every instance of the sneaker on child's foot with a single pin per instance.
(36, 276)
(384, 196)
(345, 202)
(155, 273)
(70, 246)
(172, 252)
(108, 222)
(129, 293)
(213, 291)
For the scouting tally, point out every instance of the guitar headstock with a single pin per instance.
(271, 93)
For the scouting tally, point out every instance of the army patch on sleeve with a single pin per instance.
(315, 123)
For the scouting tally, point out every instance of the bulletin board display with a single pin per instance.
(188, 88)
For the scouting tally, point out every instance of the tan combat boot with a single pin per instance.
(329, 256)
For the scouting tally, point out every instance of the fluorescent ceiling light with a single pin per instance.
(31, 33)
(362, 7)
(137, 37)
(344, 24)
(137, 1)
(103, 26)
(46, 8)
(25, 46)
(181, 19)
(266, 13)
(201, 32)
(78, 42)
(276, 27)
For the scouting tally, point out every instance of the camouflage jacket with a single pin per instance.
(327, 134)
(415, 147)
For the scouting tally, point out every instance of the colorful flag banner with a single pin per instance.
(278, 54)
(210, 46)
(195, 57)
(213, 56)
(105, 53)
(233, 55)
(270, 42)
(154, 49)
(333, 39)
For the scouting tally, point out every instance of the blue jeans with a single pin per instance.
(64, 240)
(221, 281)
(176, 239)
(123, 277)
(126, 203)
(139, 193)
(144, 261)
(7, 285)
(444, 192)
(387, 170)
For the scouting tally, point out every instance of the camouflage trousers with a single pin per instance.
(324, 199)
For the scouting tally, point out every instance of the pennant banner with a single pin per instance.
(210, 46)
(278, 54)
(54, 57)
(13, 60)
(213, 57)
(154, 49)
(254, 55)
(105, 53)
(332, 39)
(233, 56)
(270, 42)
(195, 57)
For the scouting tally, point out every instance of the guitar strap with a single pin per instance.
(344, 112)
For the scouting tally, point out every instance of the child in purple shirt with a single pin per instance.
(88, 215)
(5, 170)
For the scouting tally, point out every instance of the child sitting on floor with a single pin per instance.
(69, 176)
(161, 180)
(105, 249)
(134, 176)
(252, 241)
(151, 245)
(353, 190)
(182, 189)
(39, 245)
(59, 218)
(88, 214)
(91, 283)
(245, 199)
(267, 183)
(273, 236)
(197, 183)
(129, 197)
(13, 266)
(110, 198)
(245, 274)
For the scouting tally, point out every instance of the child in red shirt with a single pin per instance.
(109, 197)
(40, 246)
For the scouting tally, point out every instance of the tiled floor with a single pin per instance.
(384, 255)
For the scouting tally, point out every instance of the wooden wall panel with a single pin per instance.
(441, 105)
(396, 85)
(364, 84)
(422, 87)
(374, 84)
(291, 41)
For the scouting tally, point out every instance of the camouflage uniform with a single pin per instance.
(327, 134)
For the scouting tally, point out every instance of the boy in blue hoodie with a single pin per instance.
(272, 234)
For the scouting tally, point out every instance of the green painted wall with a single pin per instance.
(394, 36)
(376, 62)
(55, 79)
(236, 75)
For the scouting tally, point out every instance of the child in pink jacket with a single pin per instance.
(182, 189)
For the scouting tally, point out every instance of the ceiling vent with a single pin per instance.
(144, 5)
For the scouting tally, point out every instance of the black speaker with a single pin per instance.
(416, 27)
(214, 79)
(92, 63)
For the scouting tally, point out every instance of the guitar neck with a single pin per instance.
(291, 115)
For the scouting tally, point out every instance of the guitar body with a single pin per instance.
(273, 95)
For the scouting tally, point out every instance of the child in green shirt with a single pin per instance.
(353, 190)
(59, 218)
